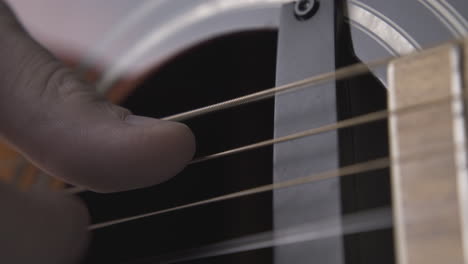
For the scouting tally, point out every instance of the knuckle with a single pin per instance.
(60, 81)
(62, 85)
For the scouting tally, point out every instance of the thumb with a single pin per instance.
(63, 126)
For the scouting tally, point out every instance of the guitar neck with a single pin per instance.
(429, 174)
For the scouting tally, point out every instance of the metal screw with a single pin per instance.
(305, 9)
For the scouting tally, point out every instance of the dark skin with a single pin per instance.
(64, 127)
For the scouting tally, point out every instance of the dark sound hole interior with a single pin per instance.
(214, 71)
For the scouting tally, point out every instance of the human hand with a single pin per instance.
(64, 127)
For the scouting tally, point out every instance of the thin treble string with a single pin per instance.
(343, 73)
(349, 170)
(351, 122)
(347, 123)
(364, 167)
(311, 82)
(340, 74)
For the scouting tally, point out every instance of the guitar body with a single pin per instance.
(230, 53)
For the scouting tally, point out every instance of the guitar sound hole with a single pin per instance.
(214, 71)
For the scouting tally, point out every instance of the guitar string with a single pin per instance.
(185, 259)
(347, 123)
(359, 120)
(352, 169)
(256, 97)
(364, 221)
(354, 223)
(311, 82)
(358, 168)
(349, 170)
(371, 117)
(340, 74)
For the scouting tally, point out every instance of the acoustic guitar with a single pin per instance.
(327, 131)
